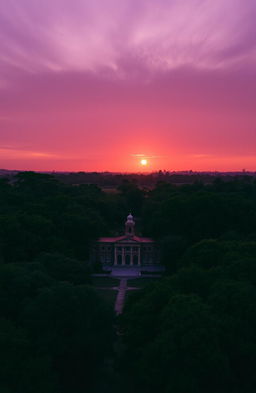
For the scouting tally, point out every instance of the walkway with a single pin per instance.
(119, 305)
(120, 299)
(122, 289)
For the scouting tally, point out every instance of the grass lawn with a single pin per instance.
(106, 282)
(108, 295)
(141, 282)
(130, 294)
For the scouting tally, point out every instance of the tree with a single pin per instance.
(234, 302)
(74, 327)
(182, 348)
(62, 268)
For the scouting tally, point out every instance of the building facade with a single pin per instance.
(127, 250)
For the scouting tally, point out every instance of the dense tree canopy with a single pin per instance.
(54, 335)
(192, 331)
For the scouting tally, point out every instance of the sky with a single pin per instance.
(98, 85)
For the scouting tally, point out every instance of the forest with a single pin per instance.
(192, 331)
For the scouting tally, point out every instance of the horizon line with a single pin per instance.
(188, 171)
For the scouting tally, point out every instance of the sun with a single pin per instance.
(144, 162)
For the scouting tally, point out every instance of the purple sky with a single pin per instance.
(92, 85)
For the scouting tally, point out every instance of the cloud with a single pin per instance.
(147, 156)
(202, 155)
(104, 36)
(95, 81)
(14, 154)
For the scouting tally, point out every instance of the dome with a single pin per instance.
(130, 217)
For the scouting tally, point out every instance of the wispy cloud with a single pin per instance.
(91, 82)
(146, 156)
(10, 153)
(202, 155)
(98, 36)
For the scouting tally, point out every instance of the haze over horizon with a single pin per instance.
(100, 85)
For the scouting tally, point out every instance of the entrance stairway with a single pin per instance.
(126, 271)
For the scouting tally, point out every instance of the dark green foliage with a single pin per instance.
(186, 354)
(39, 214)
(190, 332)
(132, 195)
(73, 326)
(55, 333)
(17, 284)
(54, 336)
(194, 331)
(172, 248)
(62, 268)
(199, 323)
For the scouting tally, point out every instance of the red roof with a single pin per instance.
(125, 239)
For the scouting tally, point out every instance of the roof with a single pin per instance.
(125, 239)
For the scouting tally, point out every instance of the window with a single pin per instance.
(119, 259)
(127, 259)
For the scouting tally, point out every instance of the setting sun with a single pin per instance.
(144, 162)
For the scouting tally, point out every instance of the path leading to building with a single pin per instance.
(121, 292)
(123, 288)
(119, 305)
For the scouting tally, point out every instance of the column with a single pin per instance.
(123, 257)
(131, 257)
(115, 257)
(139, 255)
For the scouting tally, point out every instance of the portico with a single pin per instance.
(126, 255)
